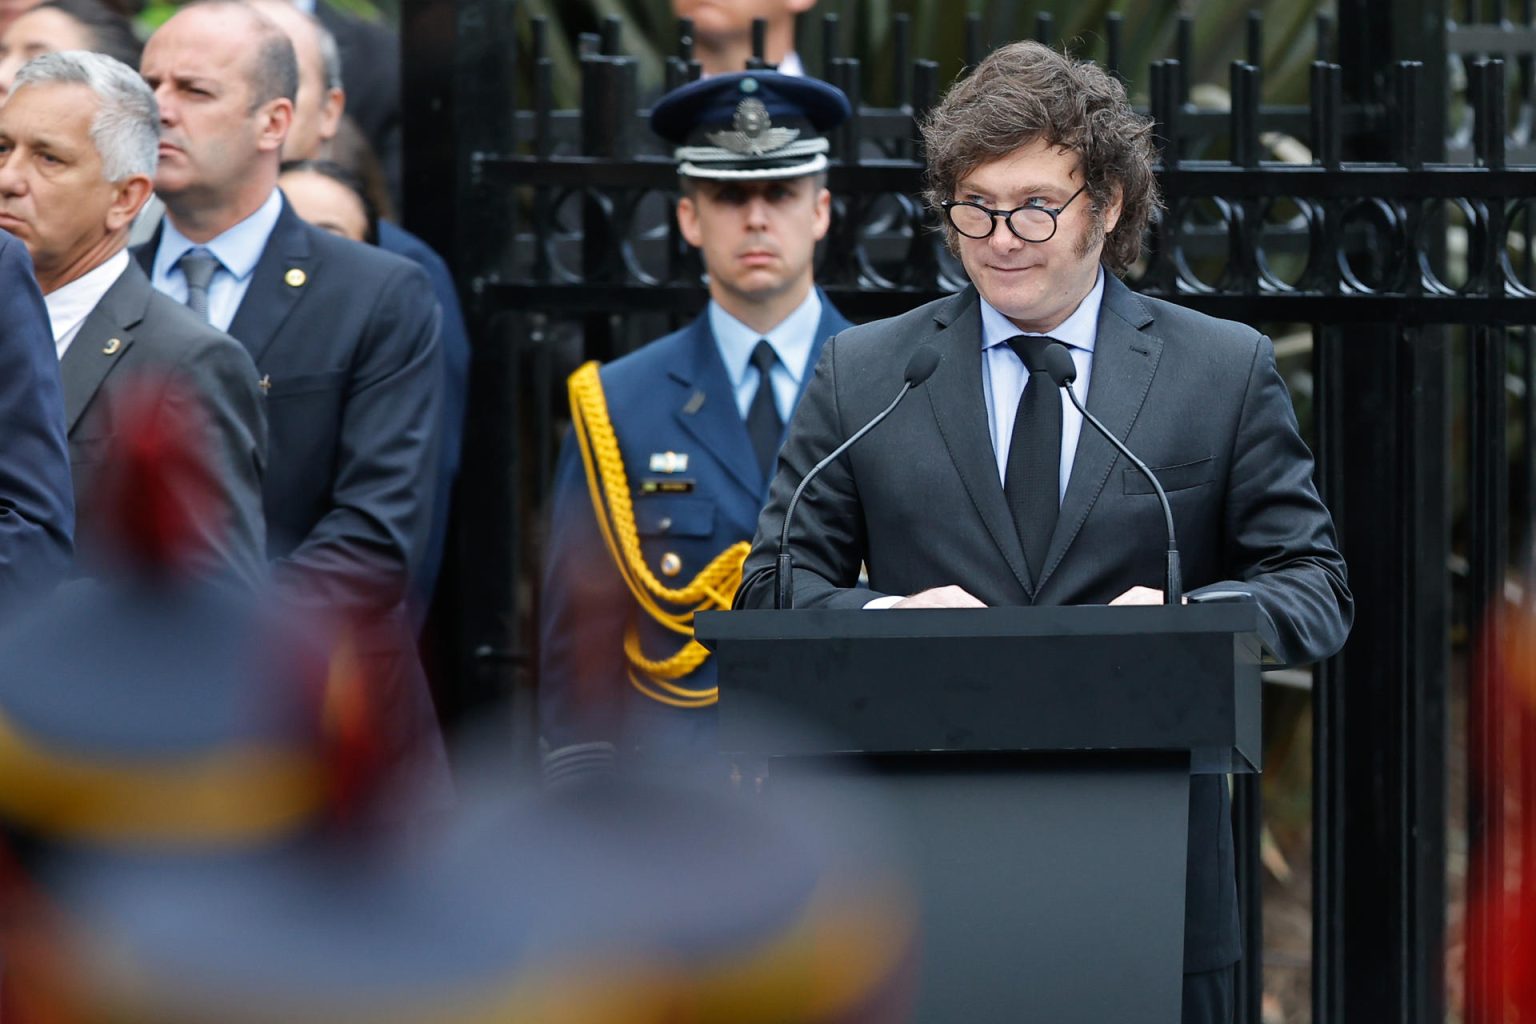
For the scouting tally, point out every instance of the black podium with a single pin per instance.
(1040, 759)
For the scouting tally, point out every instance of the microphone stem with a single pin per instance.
(1173, 589)
(784, 588)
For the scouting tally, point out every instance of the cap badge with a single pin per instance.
(754, 133)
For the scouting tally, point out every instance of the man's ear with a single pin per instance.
(1113, 208)
(688, 222)
(331, 109)
(128, 198)
(823, 219)
(274, 119)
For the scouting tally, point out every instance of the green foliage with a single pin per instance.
(938, 33)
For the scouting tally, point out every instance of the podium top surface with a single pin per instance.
(1242, 619)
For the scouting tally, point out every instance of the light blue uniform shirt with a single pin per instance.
(238, 250)
(1003, 375)
(792, 341)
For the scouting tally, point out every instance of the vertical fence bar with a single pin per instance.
(1045, 28)
(1331, 410)
(1256, 38)
(685, 40)
(1487, 558)
(1184, 53)
(975, 48)
(759, 58)
(1114, 44)
(1325, 41)
(612, 35)
(901, 49)
(829, 41)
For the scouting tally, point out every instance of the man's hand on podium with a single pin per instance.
(940, 597)
(1142, 595)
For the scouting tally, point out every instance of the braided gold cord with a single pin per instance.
(713, 587)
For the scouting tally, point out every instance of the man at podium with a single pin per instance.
(991, 489)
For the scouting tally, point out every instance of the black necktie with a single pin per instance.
(1032, 481)
(763, 424)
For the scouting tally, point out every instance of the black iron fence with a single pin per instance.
(1381, 224)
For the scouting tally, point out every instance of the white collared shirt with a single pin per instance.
(238, 250)
(1003, 375)
(792, 341)
(69, 305)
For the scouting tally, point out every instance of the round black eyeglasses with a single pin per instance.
(1030, 222)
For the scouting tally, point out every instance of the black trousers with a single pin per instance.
(1208, 997)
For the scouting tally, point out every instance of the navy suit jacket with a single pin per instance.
(344, 336)
(454, 341)
(672, 395)
(1197, 398)
(37, 504)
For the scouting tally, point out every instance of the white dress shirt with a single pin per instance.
(1003, 378)
(1003, 375)
(792, 341)
(69, 305)
(238, 250)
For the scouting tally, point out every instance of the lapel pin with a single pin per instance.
(295, 277)
(112, 347)
(265, 383)
(694, 404)
(669, 462)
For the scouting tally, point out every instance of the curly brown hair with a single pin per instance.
(1026, 92)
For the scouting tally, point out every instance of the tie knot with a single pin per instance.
(1031, 349)
(198, 265)
(763, 357)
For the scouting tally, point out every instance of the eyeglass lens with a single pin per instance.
(1029, 223)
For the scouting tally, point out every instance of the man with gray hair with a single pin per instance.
(78, 140)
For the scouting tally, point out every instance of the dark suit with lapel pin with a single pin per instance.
(137, 334)
(673, 395)
(920, 502)
(344, 337)
(37, 507)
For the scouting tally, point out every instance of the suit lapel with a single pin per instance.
(960, 408)
(276, 284)
(1125, 356)
(832, 323)
(707, 411)
(87, 361)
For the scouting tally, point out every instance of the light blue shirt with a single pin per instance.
(238, 250)
(792, 341)
(1003, 375)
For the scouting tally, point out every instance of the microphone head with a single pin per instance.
(1058, 363)
(922, 364)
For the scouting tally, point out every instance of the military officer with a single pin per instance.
(659, 485)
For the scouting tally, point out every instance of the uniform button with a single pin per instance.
(664, 524)
(671, 564)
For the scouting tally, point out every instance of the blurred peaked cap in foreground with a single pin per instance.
(631, 902)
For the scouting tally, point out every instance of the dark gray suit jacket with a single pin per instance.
(135, 334)
(919, 501)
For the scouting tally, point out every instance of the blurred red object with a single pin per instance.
(157, 509)
(1501, 890)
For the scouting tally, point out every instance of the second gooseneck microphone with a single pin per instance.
(1062, 371)
(919, 368)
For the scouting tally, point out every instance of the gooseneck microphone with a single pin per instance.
(1058, 364)
(919, 368)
